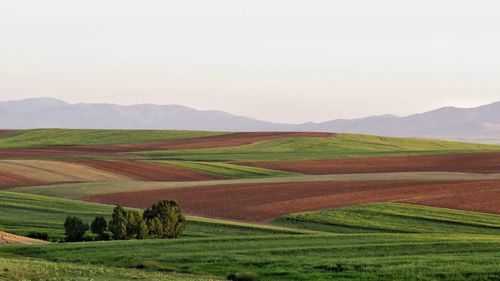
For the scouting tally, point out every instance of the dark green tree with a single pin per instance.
(118, 223)
(170, 216)
(143, 230)
(99, 227)
(134, 220)
(75, 229)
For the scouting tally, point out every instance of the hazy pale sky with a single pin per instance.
(279, 60)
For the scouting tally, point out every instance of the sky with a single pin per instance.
(280, 60)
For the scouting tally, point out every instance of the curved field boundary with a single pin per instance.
(6, 132)
(262, 202)
(225, 140)
(10, 180)
(147, 171)
(7, 238)
(458, 162)
(56, 171)
(81, 190)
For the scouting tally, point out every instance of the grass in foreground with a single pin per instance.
(45, 137)
(24, 213)
(295, 257)
(38, 270)
(340, 146)
(227, 170)
(394, 217)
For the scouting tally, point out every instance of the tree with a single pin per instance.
(99, 226)
(155, 227)
(75, 229)
(170, 216)
(118, 223)
(134, 220)
(143, 230)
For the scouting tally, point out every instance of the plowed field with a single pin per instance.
(265, 201)
(459, 162)
(147, 171)
(11, 180)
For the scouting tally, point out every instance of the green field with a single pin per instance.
(23, 213)
(295, 257)
(394, 217)
(227, 170)
(44, 137)
(340, 146)
(40, 270)
(384, 241)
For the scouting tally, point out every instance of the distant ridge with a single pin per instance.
(476, 124)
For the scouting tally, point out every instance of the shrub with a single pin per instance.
(38, 235)
(246, 276)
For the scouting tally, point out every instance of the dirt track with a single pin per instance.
(457, 162)
(147, 171)
(233, 139)
(262, 202)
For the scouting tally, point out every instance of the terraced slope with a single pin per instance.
(394, 217)
(339, 146)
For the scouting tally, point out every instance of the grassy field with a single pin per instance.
(43, 137)
(23, 213)
(394, 217)
(227, 170)
(295, 257)
(40, 270)
(340, 146)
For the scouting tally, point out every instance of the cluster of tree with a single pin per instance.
(163, 220)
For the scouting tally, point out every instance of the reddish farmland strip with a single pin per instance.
(6, 132)
(458, 162)
(147, 171)
(10, 180)
(233, 139)
(262, 202)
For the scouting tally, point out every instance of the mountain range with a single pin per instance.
(476, 124)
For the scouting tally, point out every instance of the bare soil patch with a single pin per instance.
(8, 238)
(457, 162)
(147, 171)
(10, 180)
(265, 201)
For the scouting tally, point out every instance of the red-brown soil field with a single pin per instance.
(233, 139)
(263, 202)
(5, 132)
(458, 162)
(10, 180)
(147, 171)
